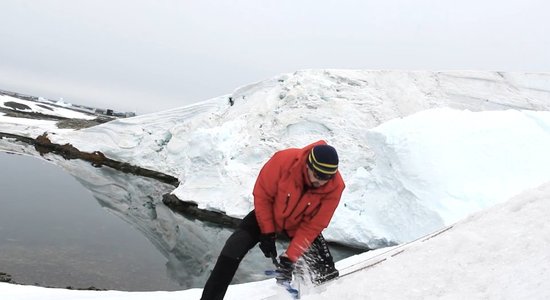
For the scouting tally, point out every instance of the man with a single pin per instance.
(296, 194)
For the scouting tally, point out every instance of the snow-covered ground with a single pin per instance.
(35, 127)
(419, 150)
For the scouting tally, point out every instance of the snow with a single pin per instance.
(419, 151)
(499, 253)
(46, 108)
(29, 127)
(437, 166)
(34, 127)
(216, 150)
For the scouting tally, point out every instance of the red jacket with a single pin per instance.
(285, 201)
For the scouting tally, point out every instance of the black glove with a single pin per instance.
(267, 244)
(284, 270)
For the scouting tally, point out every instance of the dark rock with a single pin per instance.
(4, 277)
(17, 105)
(191, 211)
(77, 123)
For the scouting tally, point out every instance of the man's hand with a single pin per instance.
(284, 270)
(267, 244)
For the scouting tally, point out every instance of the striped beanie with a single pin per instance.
(323, 160)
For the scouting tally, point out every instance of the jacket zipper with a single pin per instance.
(284, 210)
(293, 209)
(286, 202)
(303, 210)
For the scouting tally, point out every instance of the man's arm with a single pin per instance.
(264, 193)
(309, 230)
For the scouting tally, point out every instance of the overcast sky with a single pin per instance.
(146, 56)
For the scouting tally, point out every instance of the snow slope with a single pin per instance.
(405, 178)
(499, 253)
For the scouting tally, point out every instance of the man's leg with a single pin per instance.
(319, 261)
(237, 245)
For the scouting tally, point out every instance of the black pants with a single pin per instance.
(318, 258)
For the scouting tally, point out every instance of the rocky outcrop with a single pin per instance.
(43, 145)
(191, 211)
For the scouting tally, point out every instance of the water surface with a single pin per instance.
(53, 232)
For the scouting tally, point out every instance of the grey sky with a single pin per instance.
(154, 55)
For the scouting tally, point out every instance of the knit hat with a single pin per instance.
(323, 160)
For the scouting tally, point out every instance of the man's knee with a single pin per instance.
(238, 244)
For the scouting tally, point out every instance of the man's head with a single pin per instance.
(322, 164)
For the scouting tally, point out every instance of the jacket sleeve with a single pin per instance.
(264, 193)
(309, 230)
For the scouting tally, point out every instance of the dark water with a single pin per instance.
(105, 229)
(54, 233)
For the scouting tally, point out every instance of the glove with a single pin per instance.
(267, 244)
(284, 270)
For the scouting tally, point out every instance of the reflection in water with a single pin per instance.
(189, 246)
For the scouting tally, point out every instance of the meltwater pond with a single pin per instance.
(71, 224)
(54, 233)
